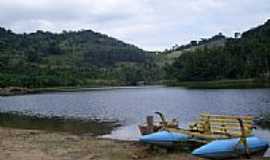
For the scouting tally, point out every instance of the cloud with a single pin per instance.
(150, 24)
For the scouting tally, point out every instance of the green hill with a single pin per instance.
(218, 40)
(45, 59)
(87, 58)
(247, 57)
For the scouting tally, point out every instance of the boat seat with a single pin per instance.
(222, 125)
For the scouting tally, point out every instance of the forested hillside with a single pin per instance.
(247, 57)
(86, 58)
(82, 58)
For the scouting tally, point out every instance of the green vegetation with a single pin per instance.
(89, 59)
(83, 58)
(247, 57)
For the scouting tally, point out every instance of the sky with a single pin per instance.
(148, 24)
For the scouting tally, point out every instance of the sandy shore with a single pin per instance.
(16, 144)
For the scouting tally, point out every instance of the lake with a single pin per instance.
(130, 105)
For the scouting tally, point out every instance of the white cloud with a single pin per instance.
(150, 24)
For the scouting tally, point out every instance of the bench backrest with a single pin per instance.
(223, 124)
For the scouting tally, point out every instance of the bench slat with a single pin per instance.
(225, 120)
(229, 127)
(230, 132)
(227, 116)
(224, 125)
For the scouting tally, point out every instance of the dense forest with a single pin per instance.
(245, 57)
(82, 58)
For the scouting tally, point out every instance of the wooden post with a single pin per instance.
(207, 126)
(243, 138)
(150, 124)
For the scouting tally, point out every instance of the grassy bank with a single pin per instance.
(221, 84)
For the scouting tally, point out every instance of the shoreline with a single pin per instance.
(44, 145)
(218, 84)
(221, 84)
(13, 91)
(35, 144)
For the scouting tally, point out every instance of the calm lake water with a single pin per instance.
(130, 106)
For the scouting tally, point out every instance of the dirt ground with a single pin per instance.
(18, 144)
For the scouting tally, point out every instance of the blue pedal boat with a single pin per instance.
(231, 148)
(164, 138)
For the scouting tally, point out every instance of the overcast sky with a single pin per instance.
(149, 24)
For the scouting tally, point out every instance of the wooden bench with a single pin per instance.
(221, 126)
